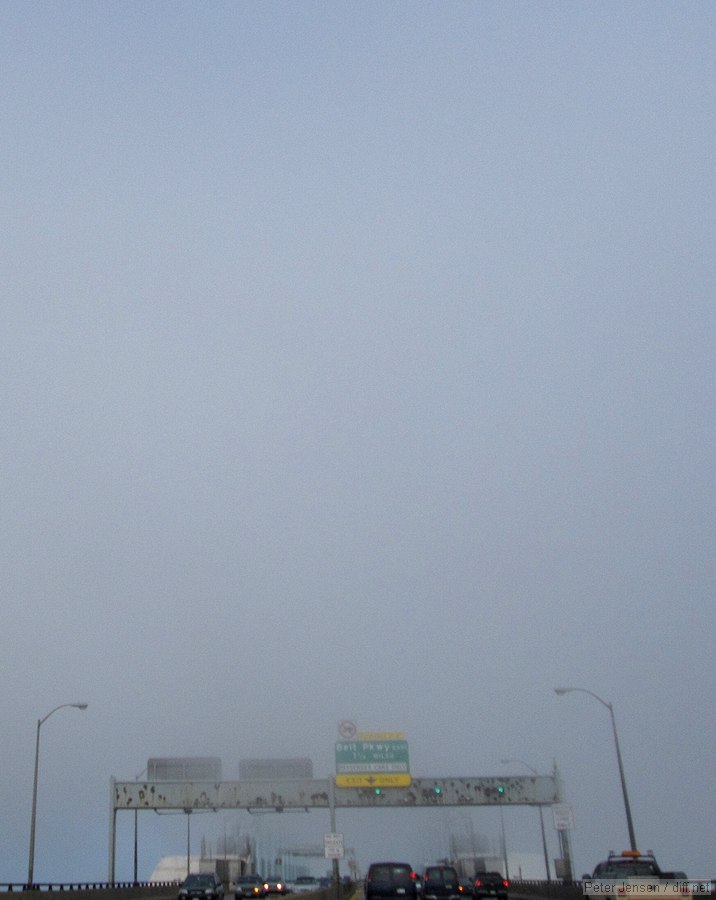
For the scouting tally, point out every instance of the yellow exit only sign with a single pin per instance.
(374, 780)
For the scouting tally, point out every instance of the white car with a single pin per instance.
(304, 884)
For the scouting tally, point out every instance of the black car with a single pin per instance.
(441, 883)
(490, 884)
(391, 880)
(202, 887)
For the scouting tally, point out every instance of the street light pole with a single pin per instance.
(33, 818)
(541, 817)
(136, 847)
(504, 844)
(136, 830)
(188, 841)
(627, 807)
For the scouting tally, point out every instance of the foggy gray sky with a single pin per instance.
(358, 362)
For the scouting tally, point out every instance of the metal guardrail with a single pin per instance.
(135, 889)
(59, 887)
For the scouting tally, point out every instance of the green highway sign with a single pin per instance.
(371, 757)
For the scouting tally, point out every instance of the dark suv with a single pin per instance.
(441, 883)
(390, 879)
(205, 887)
(490, 884)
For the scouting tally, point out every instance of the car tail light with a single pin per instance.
(505, 883)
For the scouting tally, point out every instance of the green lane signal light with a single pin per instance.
(500, 789)
(377, 791)
(438, 790)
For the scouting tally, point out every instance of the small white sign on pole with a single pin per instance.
(563, 816)
(333, 845)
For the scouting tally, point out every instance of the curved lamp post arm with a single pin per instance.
(568, 690)
(61, 706)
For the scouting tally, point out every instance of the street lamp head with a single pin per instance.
(561, 691)
(80, 705)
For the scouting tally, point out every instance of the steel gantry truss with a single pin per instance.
(322, 793)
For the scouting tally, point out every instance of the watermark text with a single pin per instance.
(647, 887)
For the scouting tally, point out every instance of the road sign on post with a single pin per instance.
(563, 817)
(333, 845)
(347, 729)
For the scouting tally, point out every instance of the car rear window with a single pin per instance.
(390, 873)
(441, 875)
(625, 870)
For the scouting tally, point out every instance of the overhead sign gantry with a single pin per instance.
(324, 793)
